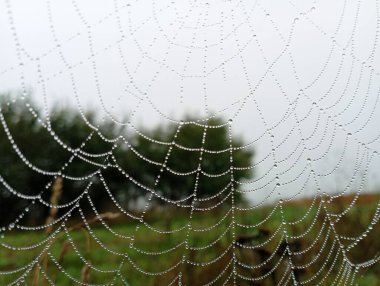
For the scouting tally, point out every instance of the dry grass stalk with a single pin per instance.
(85, 274)
(54, 199)
(65, 249)
(43, 262)
(103, 216)
(36, 276)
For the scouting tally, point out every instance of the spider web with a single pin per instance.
(304, 91)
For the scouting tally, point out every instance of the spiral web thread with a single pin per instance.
(341, 114)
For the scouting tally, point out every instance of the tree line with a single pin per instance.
(162, 161)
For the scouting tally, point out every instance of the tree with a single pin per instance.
(138, 159)
(30, 133)
(179, 175)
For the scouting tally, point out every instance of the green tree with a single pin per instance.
(31, 135)
(135, 163)
(178, 176)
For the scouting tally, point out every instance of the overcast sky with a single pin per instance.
(303, 72)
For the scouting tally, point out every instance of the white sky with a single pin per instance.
(245, 59)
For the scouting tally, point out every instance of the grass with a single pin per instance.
(89, 241)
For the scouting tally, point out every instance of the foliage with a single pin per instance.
(32, 138)
(183, 148)
(41, 139)
(148, 240)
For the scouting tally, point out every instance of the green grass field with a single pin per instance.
(104, 248)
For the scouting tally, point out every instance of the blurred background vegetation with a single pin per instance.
(33, 133)
(35, 139)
